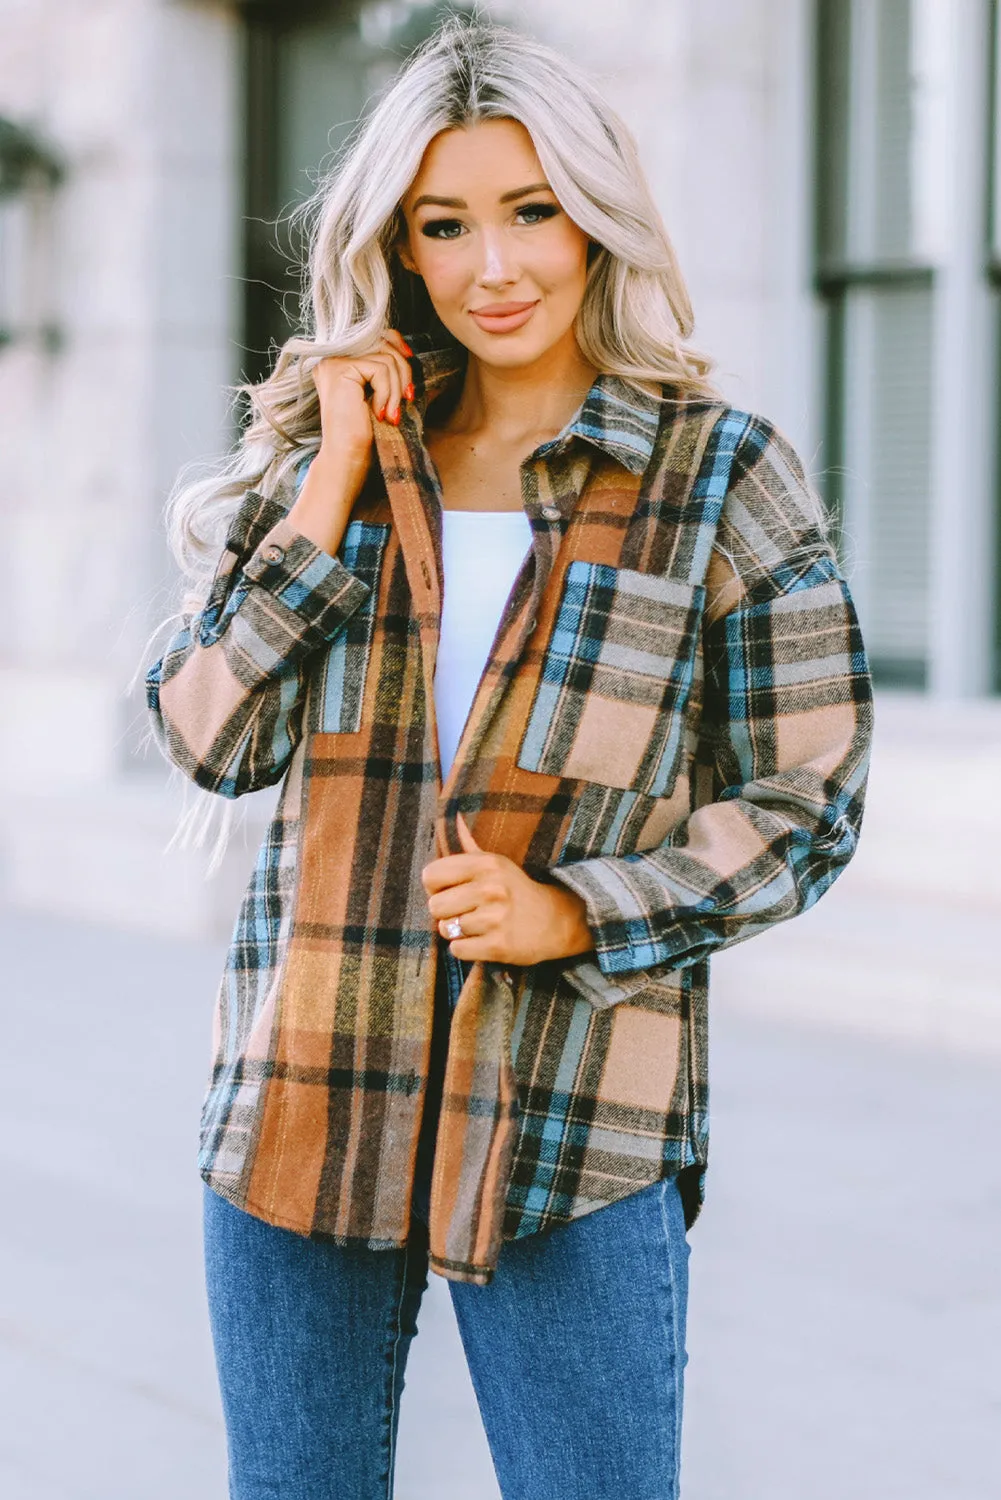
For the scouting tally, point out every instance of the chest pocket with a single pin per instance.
(342, 682)
(614, 680)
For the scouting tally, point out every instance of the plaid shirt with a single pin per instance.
(674, 723)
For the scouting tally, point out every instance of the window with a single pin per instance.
(877, 228)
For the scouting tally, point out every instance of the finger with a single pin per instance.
(401, 352)
(451, 869)
(483, 923)
(465, 837)
(398, 374)
(473, 925)
(376, 372)
(396, 383)
(454, 902)
(475, 949)
(396, 337)
(406, 380)
(394, 388)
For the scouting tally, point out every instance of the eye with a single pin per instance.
(435, 229)
(541, 210)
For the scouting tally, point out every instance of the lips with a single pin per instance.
(499, 317)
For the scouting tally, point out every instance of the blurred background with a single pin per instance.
(830, 171)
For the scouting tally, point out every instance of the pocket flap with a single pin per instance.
(614, 679)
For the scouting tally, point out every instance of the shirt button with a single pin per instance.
(274, 554)
(550, 513)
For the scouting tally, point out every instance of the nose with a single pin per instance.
(496, 266)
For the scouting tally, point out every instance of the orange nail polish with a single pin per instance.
(381, 413)
(406, 346)
(409, 392)
(395, 419)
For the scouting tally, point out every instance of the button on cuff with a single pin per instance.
(274, 553)
(550, 513)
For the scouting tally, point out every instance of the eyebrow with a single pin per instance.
(536, 187)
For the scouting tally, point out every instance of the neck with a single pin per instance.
(514, 405)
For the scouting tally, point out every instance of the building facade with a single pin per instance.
(828, 169)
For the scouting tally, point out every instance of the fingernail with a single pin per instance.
(409, 392)
(395, 419)
(381, 413)
(406, 346)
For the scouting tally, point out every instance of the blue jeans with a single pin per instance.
(576, 1351)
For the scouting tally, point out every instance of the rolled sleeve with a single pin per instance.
(226, 697)
(293, 598)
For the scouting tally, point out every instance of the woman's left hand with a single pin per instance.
(507, 917)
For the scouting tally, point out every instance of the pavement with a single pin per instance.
(845, 1318)
(846, 1287)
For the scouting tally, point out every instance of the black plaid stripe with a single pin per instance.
(341, 683)
(625, 636)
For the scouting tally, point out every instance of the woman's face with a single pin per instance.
(503, 264)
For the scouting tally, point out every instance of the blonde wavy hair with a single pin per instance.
(635, 317)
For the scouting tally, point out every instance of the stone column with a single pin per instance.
(140, 99)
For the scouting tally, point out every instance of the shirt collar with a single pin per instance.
(614, 416)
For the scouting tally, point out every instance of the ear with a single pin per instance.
(402, 247)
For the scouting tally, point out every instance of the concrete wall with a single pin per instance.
(140, 99)
(718, 96)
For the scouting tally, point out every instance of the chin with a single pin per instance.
(510, 358)
(509, 351)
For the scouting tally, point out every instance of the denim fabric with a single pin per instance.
(576, 1352)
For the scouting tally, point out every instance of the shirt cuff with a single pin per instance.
(252, 520)
(612, 971)
(317, 588)
(292, 598)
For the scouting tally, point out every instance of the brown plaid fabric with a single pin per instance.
(674, 722)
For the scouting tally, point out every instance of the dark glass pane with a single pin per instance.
(833, 58)
(871, 83)
(887, 456)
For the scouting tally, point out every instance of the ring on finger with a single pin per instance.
(453, 928)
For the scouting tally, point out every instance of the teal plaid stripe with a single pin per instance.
(621, 635)
(347, 661)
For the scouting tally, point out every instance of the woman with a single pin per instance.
(551, 654)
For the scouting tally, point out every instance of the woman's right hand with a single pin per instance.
(337, 473)
(341, 382)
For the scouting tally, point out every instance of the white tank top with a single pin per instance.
(482, 553)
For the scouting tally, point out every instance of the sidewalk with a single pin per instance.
(909, 934)
(846, 1297)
